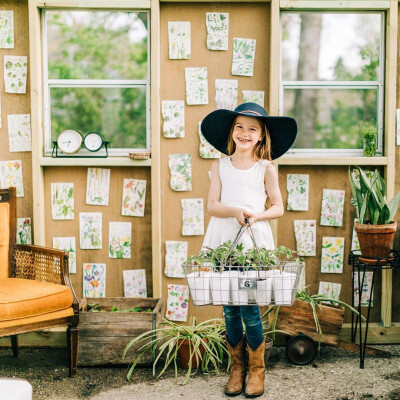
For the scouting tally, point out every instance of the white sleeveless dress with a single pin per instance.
(244, 189)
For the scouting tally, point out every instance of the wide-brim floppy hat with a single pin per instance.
(216, 127)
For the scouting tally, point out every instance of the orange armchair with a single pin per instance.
(35, 289)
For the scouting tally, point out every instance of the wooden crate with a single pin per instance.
(104, 335)
(299, 319)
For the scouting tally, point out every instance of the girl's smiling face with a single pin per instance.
(246, 133)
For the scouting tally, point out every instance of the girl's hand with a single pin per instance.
(240, 215)
(251, 217)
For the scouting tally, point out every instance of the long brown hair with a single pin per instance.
(262, 150)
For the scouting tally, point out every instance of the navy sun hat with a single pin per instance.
(216, 127)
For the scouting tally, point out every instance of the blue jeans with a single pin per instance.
(252, 321)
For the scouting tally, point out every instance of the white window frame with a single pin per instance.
(93, 83)
(379, 85)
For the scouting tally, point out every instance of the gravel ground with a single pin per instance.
(335, 375)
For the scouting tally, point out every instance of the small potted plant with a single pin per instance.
(369, 132)
(375, 227)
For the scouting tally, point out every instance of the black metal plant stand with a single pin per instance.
(360, 266)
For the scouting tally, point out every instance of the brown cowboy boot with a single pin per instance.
(237, 377)
(255, 383)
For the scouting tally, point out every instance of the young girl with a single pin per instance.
(238, 192)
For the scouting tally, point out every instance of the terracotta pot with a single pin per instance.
(268, 346)
(375, 240)
(184, 354)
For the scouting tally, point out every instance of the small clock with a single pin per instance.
(93, 141)
(69, 141)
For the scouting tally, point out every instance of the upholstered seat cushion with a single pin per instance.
(22, 298)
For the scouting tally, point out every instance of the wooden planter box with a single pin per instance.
(104, 335)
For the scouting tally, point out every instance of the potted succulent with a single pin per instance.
(375, 227)
(369, 133)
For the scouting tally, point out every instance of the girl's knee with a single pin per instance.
(252, 316)
(231, 312)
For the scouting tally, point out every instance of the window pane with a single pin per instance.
(97, 45)
(118, 113)
(329, 46)
(330, 118)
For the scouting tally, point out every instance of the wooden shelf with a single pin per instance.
(307, 160)
(93, 162)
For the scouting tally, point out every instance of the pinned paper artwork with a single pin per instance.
(15, 72)
(298, 189)
(19, 132)
(67, 244)
(192, 217)
(134, 197)
(330, 290)
(98, 186)
(62, 200)
(244, 51)
(180, 166)
(179, 40)
(366, 283)
(305, 234)
(6, 29)
(332, 207)
(176, 253)
(226, 93)
(94, 280)
(217, 30)
(173, 112)
(177, 303)
(11, 175)
(332, 255)
(120, 240)
(90, 230)
(135, 283)
(355, 244)
(196, 85)
(254, 96)
(24, 231)
(206, 150)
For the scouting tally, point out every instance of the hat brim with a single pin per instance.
(216, 126)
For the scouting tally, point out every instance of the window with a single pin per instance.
(332, 78)
(96, 76)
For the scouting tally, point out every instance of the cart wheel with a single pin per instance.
(301, 349)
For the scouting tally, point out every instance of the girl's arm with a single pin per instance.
(274, 195)
(214, 205)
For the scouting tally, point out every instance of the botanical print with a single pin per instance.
(67, 244)
(179, 40)
(332, 207)
(11, 175)
(24, 231)
(332, 255)
(297, 187)
(217, 30)
(6, 29)
(120, 240)
(98, 186)
(94, 280)
(305, 234)
(196, 85)
(135, 283)
(244, 51)
(176, 253)
(180, 166)
(177, 303)
(330, 290)
(19, 132)
(398, 127)
(173, 112)
(90, 230)
(206, 150)
(366, 288)
(355, 244)
(192, 217)
(15, 72)
(62, 200)
(133, 197)
(226, 93)
(254, 96)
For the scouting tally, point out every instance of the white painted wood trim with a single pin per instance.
(115, 4)
(338, 5)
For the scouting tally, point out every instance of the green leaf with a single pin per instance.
(393, 206)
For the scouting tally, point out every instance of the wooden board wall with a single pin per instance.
(12, 103)
(141, 226)
(245, 21)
